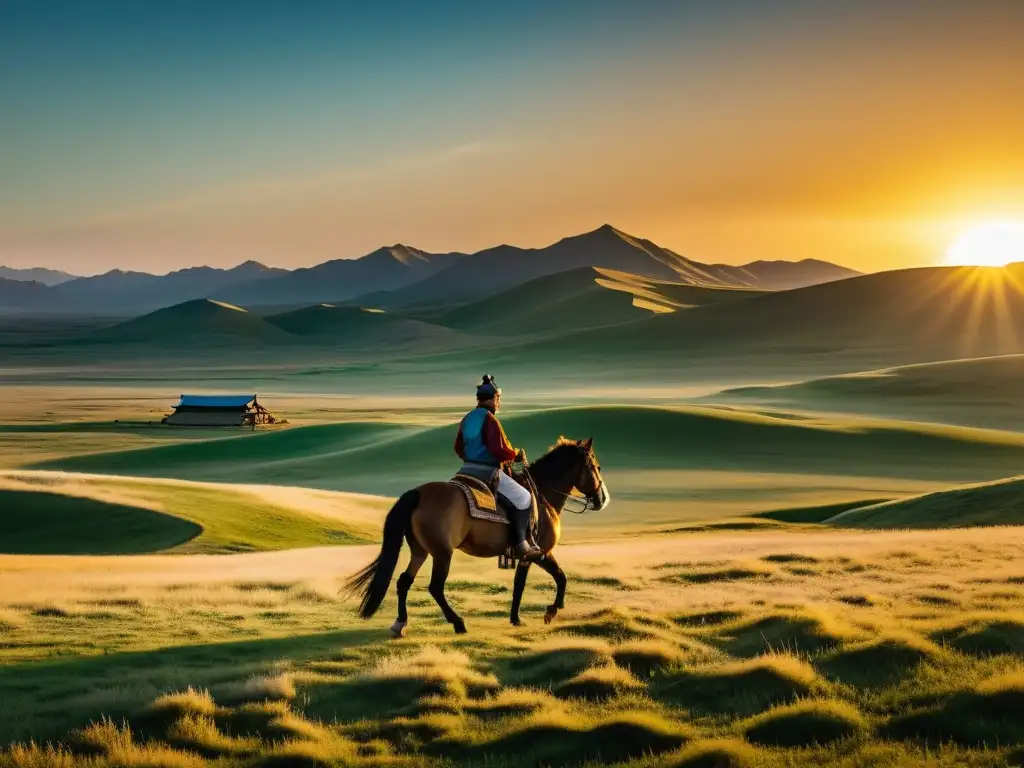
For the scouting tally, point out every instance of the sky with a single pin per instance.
(160, 135)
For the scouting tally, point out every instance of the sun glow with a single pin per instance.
(994, 244)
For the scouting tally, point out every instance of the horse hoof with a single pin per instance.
(549, 615)
(517, 622)
(398, 629)
(460, 627)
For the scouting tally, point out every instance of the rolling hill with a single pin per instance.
(208, 323)
(203, 321)
(995, 503)
(786, 275)
(985, 392)
(46, 513)
(358, 327)
(888, 318)
(586, 297)
(655, 442)
(506, 266)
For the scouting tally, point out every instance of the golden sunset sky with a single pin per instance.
(155, 136)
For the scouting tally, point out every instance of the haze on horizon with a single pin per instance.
(155, 138)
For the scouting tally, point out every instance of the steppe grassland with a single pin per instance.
(781, 644)
(877, 624)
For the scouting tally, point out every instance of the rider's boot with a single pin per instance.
(525, 549)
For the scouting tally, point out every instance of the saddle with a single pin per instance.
(483, 503)
(481, 498)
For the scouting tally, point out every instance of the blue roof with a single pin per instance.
(216, 401)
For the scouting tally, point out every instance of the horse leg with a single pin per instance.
(405, 580)
(438, 576)
(517, 591)
(550, 565)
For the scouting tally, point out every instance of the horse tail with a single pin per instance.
(373, 581)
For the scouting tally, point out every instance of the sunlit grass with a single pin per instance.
(690, 669)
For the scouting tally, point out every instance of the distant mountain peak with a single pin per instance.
(251, 265)
(406, 254)
(606, 230)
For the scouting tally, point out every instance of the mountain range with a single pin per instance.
(36, 275)
(400, 277)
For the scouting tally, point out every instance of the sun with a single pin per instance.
(993, 244)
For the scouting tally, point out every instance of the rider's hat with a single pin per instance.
(487, 388)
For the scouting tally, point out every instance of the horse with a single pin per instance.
(434, 518)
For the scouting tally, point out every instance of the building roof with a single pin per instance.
(215, 401)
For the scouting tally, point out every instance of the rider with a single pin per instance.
(484, 448)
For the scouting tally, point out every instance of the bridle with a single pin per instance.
(585, 501)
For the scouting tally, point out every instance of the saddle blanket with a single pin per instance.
(480, 498)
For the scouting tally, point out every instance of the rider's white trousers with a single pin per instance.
(514, 492)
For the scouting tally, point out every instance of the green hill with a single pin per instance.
(201, 321)
(243, 457)
(359, 327)
(628, 440)
(899, 317)
(580, 298)
(47, 513)
(986, 392)
(40, 523)
(996, 503)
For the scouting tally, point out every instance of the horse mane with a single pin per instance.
(557, 459)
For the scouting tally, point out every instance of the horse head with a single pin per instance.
(589, 482)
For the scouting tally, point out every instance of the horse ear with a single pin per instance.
(587, 444)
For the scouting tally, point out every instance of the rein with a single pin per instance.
(566, 497)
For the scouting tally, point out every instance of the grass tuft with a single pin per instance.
(986, 637)
(805, 724)
(158, 717)
(598, 684)
(612, 624)
(258, 688)
(557, 662)
(744, 688)
(733, 573)
(707, 618)
(395, 684)
(791, 558)
(881, 661)
(796, 633)
(101, 738)
(508, 702)
(648, 658)
(200, 734)
(720, 753)
(619, 737)
(985, 716)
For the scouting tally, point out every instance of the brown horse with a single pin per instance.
(434, 519)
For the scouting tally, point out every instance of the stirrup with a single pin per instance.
(528, 551)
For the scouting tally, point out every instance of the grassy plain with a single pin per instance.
(171, 598)
(787, 646)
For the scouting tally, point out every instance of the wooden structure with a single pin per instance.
(219, 411)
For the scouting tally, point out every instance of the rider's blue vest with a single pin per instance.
(473, 438)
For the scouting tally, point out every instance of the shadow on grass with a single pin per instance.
(45, 700)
